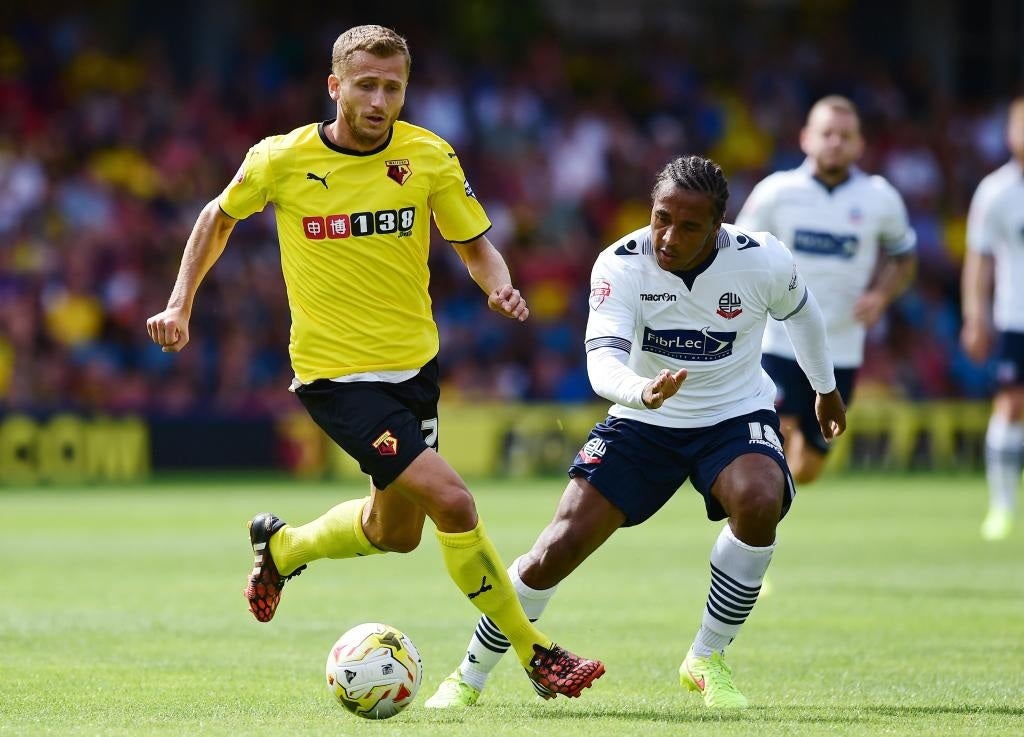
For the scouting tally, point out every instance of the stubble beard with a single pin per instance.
(361, 137)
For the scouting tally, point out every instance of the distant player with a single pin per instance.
(354, 197)
(995, 258)
(852, 242)
(677, 311)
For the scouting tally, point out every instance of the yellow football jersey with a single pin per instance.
(354, 231)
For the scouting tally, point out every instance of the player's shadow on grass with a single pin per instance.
(852, 714)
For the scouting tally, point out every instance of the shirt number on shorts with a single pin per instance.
(761, 433)
(429, 428)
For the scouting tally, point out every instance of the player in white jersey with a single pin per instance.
(853, 244)
(677, 313)
(995, 258)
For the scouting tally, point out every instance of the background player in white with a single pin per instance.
(851, 240)
(995, 238)
(685, 299)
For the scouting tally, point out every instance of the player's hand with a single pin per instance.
(169, 329)
(869, 308)
(976, 339)
(661, 387)
(506, 300)
(831, 413)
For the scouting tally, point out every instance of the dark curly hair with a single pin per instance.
(698, 174)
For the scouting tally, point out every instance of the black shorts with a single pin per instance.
(796, 397)
(1009, 366)
(383, 426)
(638, 467)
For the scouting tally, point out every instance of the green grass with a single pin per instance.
(122, 614)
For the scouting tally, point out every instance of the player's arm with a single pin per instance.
(898, 264)
(806, 329)
(976, 297)
(895, 275)
(205, 245)
(617, 382)
(488, 269)
(794, 304)
(613, 317)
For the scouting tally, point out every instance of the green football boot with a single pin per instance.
(998, 524)
(713, 679)
(453, 693)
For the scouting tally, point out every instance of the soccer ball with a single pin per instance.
(373, 670)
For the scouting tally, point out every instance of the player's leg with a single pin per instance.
(373, 423)
(391, 430)
(1004, 460)
(806, 450)
(625, 472)
(475, 566)
(806, 462)
(342, 532)
(753, 489)
(583, 521)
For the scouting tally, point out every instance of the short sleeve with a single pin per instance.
(248, 191)
(755, 215)
(459, 215)
(895, 234)
(982, 223)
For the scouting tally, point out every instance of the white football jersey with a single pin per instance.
(712, 327)
(995, 226)
(835, 236)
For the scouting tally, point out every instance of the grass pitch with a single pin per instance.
(123, 615)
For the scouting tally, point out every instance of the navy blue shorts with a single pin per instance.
(1010, 360)
(638, 467)
(796, 397)
(383, 426)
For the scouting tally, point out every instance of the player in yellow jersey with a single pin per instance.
(353, 198)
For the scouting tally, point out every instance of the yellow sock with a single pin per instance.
(476, 569)
(338, 533)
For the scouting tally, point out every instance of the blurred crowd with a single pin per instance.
(108, 153)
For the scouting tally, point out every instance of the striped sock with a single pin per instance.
(1004, 458)
(737, 570)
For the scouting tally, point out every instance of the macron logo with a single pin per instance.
(663, 297)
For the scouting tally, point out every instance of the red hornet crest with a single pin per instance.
(386, 444)
(398, 169)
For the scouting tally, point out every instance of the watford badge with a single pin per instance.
(398, 169)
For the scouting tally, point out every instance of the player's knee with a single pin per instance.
(804, 472)
(1009, 404)
(454, 509)
(805, 466)
(758, 500)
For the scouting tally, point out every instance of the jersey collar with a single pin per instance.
(350, 151)
(690, 275)
(808, 168)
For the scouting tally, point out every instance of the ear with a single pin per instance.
(803, 141)
(333, 87)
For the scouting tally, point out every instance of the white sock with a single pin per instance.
(488, 644)
(1004, 458)
(737, 570)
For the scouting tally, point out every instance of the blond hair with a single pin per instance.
(835, 102)
(377, 40)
